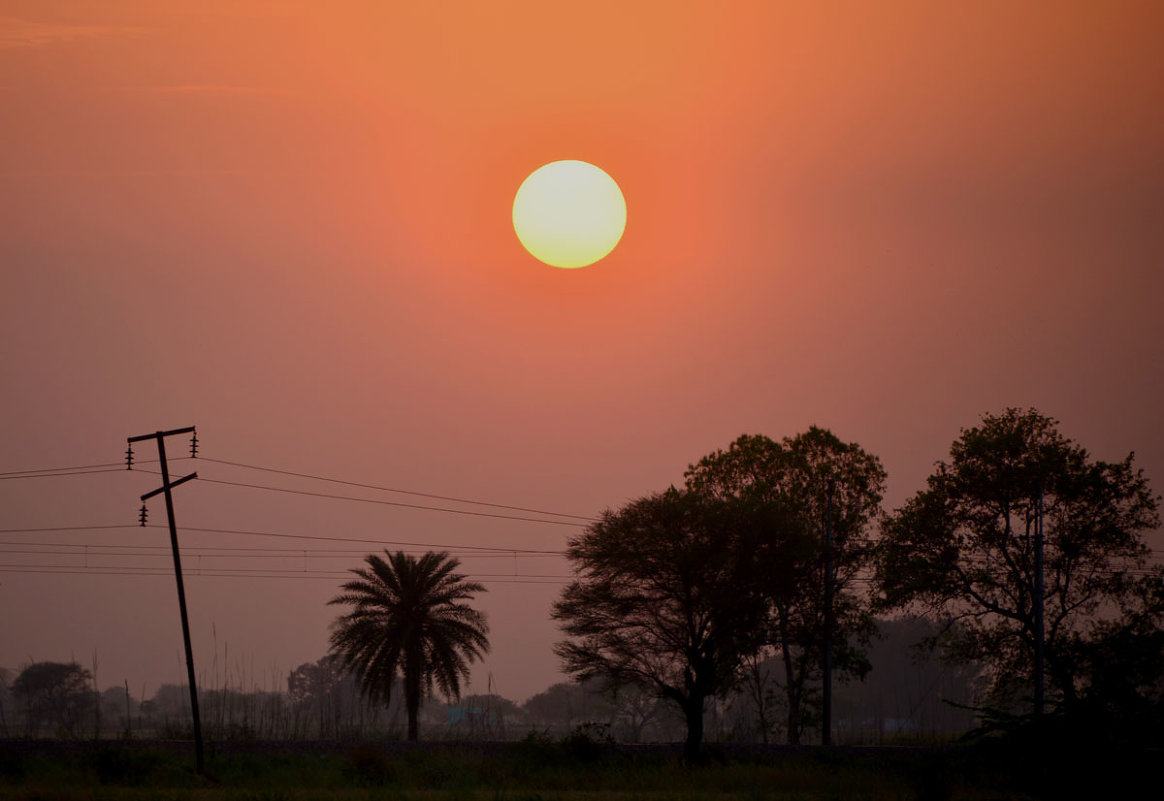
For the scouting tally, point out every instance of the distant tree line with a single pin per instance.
(900, 700)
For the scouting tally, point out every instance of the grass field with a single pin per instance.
(570, 771)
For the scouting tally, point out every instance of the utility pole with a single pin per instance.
(167, 486)
(1037, 602)
(826, 730)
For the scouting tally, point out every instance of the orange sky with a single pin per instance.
(288, 223)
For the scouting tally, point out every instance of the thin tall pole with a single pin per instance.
(160, 438)
(826, 734)
(1037, 601)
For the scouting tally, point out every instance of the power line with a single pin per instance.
(399, 504)
(87, 552)
(272, 571)
(499, 550)
(400, 491)
(487, 578)
(59, 475)
(220, 573)
(62, 529)
(119, 465)
(309, 537)
(113, 467)
(377, 501)
(314, 537)
(98, 548)
(427, 545)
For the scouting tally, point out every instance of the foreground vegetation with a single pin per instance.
(577, 767)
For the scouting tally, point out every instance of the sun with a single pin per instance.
(569, 213)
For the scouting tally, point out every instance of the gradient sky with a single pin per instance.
(289, 224)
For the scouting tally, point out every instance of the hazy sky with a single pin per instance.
(289, 224)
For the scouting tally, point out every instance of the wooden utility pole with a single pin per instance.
(167, 486)
(826, 729)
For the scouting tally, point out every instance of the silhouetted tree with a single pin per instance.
(56, 693)
(409, 616)
(316, 689)
(783, 492)
(664, 599)
(963, 549)
(313, 681)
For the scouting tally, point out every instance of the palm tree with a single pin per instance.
(408, 615)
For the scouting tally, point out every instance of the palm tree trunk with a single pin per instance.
(413, 711)
(412, 671)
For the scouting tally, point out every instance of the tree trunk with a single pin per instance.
(791, 686)
(413, 727)
(693, 712)
(793, 715)
(412, 702)
(756, 685)
(792, 693)
(412, 694)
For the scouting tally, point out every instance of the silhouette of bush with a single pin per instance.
(588, 741)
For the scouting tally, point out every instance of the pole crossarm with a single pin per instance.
(160, 434)
(171, 485)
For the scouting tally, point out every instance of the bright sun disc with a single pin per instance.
(569, 213)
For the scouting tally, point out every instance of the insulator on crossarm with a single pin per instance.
(129, 457)
(143, 514)
(194, 445)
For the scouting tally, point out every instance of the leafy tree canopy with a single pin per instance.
(788, 496)
(662, 600)
(964, 548)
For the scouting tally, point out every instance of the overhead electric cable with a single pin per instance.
(377, 501)
(97, 548)
(212, 573)
(59, 475)
(112, 467)
(274, 571)
(430, 545)
(47, 529)
(497, 549)
(382, 488)
(120, 465)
